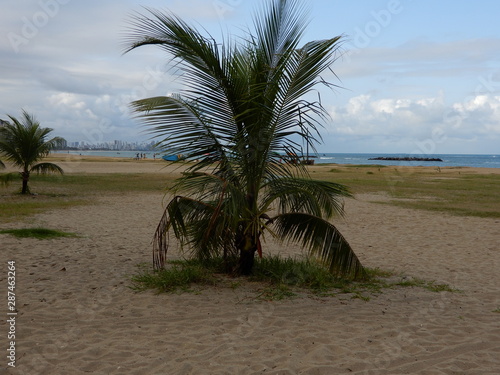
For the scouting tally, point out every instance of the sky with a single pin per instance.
(414, 76)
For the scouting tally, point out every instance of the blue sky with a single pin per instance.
(417, 76)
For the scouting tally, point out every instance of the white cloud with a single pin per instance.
(407, 121)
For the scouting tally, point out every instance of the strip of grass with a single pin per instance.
(56, 192)
(378, 166)
(458, 194)
(429, 285)
(278, 279)
(86, 184)
(18, 207)
(38, 233)
(179, 277)
(457, 191)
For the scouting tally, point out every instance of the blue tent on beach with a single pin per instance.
(172, 157)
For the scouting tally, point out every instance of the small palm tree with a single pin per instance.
(242, 108)
(24, 144)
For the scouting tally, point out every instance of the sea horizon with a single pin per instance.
(449, 160)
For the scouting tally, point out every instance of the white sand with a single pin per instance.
(77, 314)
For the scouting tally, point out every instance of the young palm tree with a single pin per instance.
(24, 143)
(242, 108)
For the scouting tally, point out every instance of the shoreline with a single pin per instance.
(451, 160)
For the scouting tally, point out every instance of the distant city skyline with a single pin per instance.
(115, 145)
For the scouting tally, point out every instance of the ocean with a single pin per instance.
(449, 160)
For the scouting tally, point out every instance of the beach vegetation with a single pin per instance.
(458, 192)
(178, 277)
(15, 208)
(357, 166)
(274, 278)
(38, 233)
(426, 284)
(24, 143)
(248, 106)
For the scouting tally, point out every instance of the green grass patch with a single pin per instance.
(274, 278)
(178, 277)
(364, 166)
(429, 285)
(38, 233)
(275, 293)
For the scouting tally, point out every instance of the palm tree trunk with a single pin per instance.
(247, 248)
(25, 176)
(246, 242)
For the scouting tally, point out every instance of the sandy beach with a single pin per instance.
(78, 315)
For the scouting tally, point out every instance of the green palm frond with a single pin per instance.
(322, 239)
(199, 60)
(319, 198)
(201, 226)
(45, 168)
(188, 131)
(209, 187)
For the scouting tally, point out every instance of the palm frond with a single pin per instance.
(172, 219)
(209, 186)
(319, 198)
(45, 168)
(55, 142)
(199, 59)
(322, 239)
(199, 225)
(187, 130)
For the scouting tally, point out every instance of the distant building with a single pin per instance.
(115, 145)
